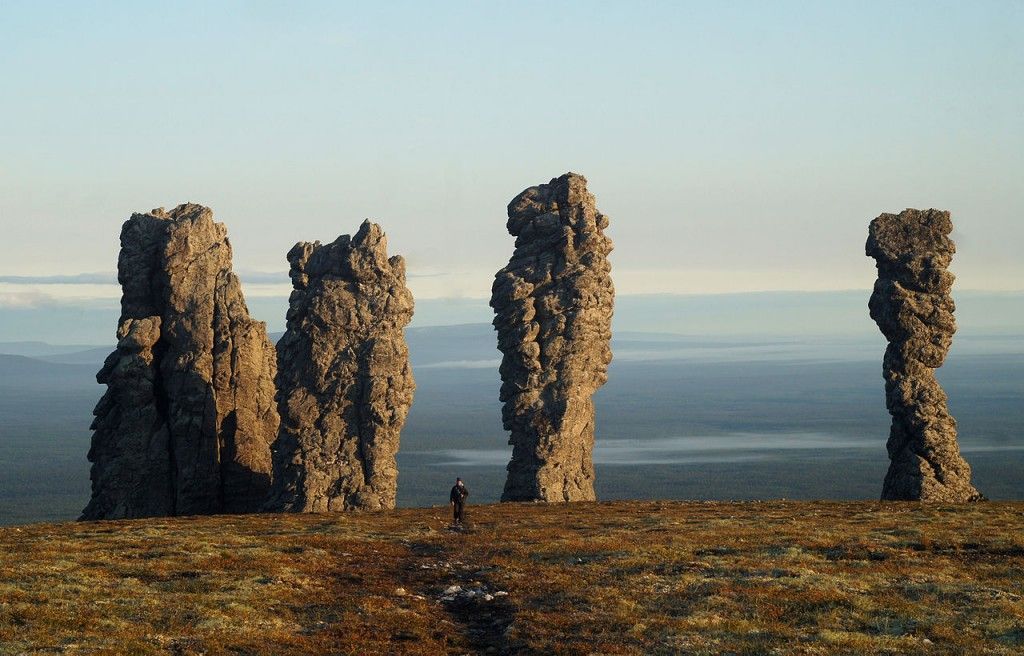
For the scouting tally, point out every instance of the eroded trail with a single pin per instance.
(477, 607)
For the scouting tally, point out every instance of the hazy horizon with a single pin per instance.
(682, 417)
(93, 322)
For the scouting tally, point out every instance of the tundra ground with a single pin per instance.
(587, 578)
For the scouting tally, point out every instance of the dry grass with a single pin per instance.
(608, 578)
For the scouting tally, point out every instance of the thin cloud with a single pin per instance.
(264, 277)
(461, 364)
(110, 278)
(101, 278)
(24, 300)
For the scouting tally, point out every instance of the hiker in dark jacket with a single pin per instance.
(458, 501)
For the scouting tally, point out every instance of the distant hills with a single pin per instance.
(760, 314)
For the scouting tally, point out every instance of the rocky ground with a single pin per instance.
(608, 578)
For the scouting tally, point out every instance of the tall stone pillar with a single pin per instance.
(912, 306)
(553, 310)
(188, 417)
(344, 380)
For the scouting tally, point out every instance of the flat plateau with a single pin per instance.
(587, 578)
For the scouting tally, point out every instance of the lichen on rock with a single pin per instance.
(553, 306)
(912, 305)
(345, 384)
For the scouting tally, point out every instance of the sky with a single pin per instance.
(736, 147)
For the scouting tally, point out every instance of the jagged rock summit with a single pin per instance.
(188, 417)
(912, 306)
(344, 380)
(553, 309)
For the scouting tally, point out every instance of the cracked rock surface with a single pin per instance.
(344, 380)
(553, 309)
(912, 306)
(188, 417)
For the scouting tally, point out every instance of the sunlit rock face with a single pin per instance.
(912, 306)
(553, 309)
(188, 417)
(344, 380)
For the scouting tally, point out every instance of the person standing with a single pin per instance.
(458, 501)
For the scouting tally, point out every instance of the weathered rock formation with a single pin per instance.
(188, 417)
(912, 305)
(344, 381)
(553, 310)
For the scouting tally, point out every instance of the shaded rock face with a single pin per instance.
(553, 310)
(187, 421)
(912, 306)
(344, 379)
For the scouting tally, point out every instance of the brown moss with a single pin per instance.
(616, 578)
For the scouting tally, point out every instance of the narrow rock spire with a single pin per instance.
(912, 306)
(188, 417)
(553, 311)
(344, 380)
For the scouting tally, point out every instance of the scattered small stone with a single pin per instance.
(400, 592)
(457, 592)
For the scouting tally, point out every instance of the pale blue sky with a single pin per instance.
(736, 146)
